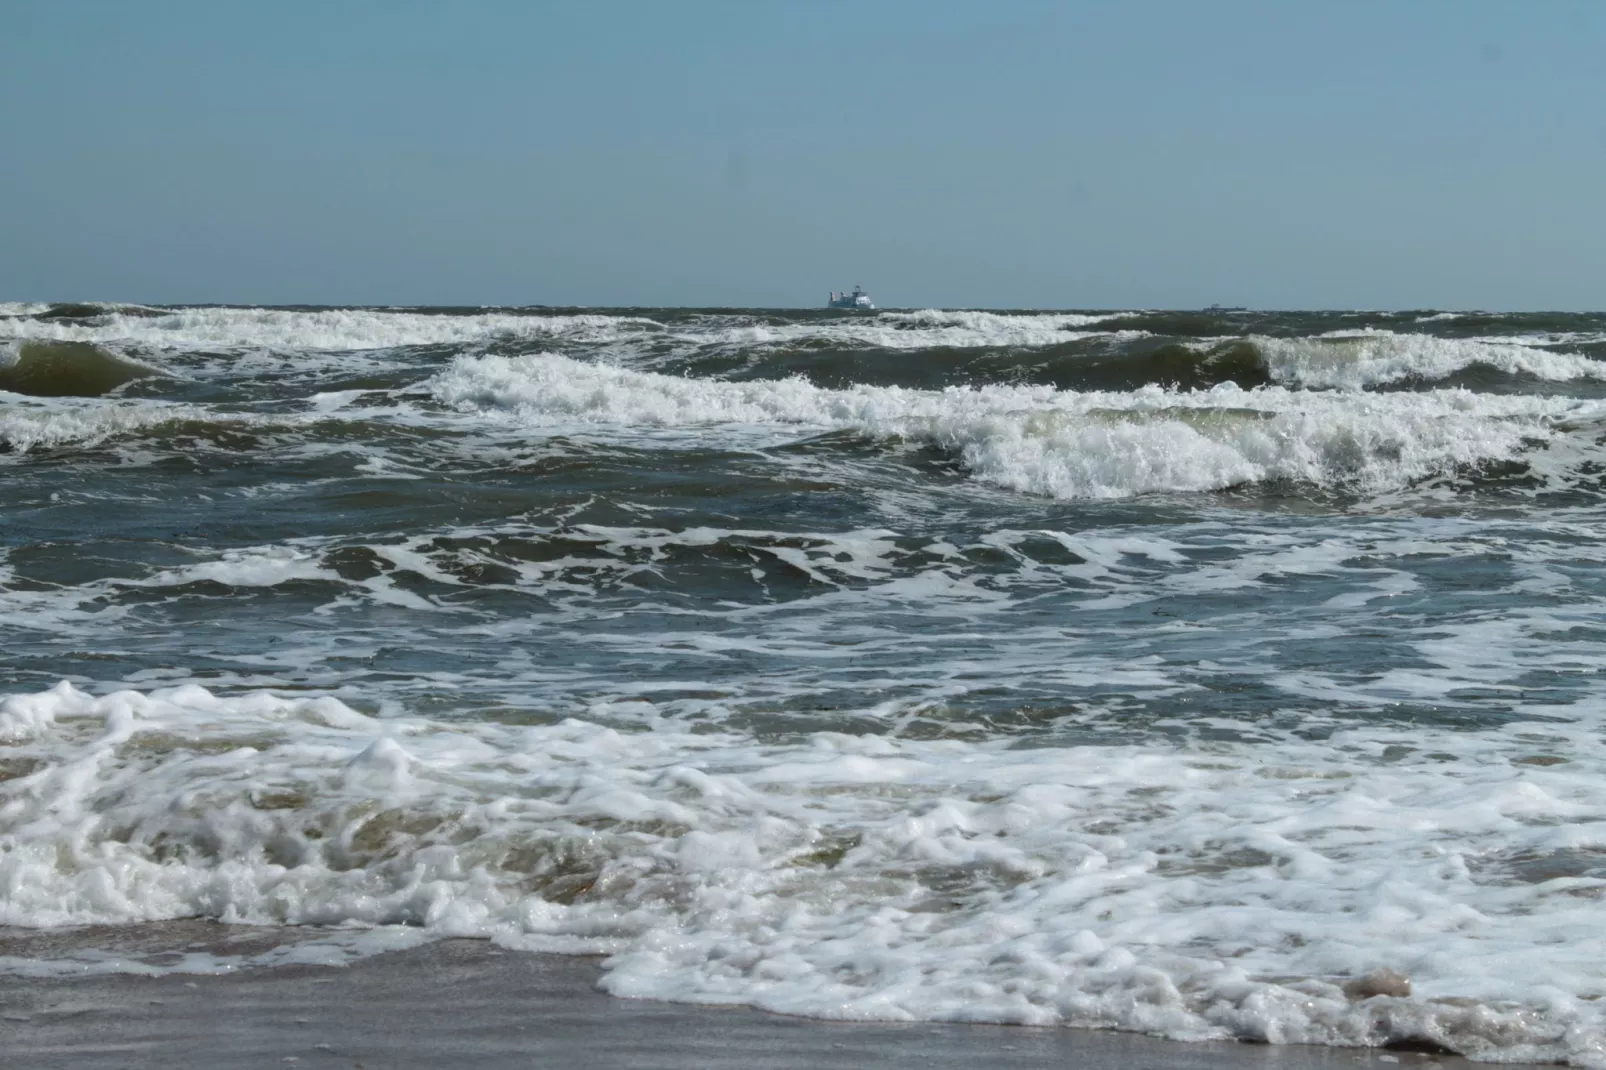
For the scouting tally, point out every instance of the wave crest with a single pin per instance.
(1354, 360)
(66, 369)
(1064, 444)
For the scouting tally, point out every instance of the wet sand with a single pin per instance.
(468, 1004)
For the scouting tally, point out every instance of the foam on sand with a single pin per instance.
(1193, 891)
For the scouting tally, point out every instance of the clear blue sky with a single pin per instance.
(1407, 153)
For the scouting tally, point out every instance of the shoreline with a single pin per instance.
(470, 1003)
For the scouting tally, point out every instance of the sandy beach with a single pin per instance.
(467, 1003)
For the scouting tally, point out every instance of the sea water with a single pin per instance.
(1214, 675)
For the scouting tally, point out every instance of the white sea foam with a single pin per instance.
(323, 329)
(1061, 443)
(1189, 769)
(1000, 321)
(902, 331)
(34, 423)
(28, 423)
(361, 329)
(934, 327)
(271, 566)
(1546, 338)
(1194, 891)
(1349, 359)
(328, 948)
(812, 613)
(1357, 359)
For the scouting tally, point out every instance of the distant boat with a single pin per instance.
(857, 299)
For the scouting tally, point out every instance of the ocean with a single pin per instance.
(1220, 674)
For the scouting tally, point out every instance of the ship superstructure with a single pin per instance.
(858, 299)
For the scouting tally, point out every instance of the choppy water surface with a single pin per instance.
(1161, 671)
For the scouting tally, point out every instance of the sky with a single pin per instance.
(1399, 154)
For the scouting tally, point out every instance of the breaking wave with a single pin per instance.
(319, 329)
(1056, 443)
(24, 428)
(66, 369)
(828, 663)
(1371, 358)
(336, 329)
(927, 347)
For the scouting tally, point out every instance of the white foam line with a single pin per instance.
(364, 329)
